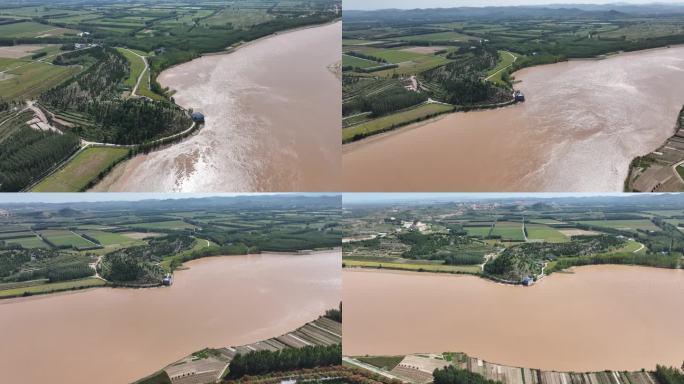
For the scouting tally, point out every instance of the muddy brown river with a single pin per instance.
(583, 123)
(597, 318)
(116, 336)
(272, 112)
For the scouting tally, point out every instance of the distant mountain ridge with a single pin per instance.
(513, 12)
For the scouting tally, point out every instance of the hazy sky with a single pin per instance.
(411, 4)
(390, 197)
(94, 196)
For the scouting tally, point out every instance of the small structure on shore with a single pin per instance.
(518, 96)
(167, 280)
(527, 281)
(197, 117)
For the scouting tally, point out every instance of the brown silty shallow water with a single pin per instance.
(581, 126)
(272, 112)
(116, 336)
(600, 317)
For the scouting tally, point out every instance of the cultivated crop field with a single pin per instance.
(508, 230)
(27, 79)
(545, 233)
(486, 237)
(153, 237)
(82, 170)
(466, 57)
(27, 242)
(388, 122)
(631, 225)
(65, 238)
(105, 39)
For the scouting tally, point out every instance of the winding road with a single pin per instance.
(134, 93)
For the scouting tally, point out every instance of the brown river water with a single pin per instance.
(600, 317)
(116, 336)
(272, 112)
(583, 123)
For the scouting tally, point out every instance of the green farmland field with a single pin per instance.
(415, 267)
(65, 238)
(81, 170)
(478, 231)
(31, 29)
(28, 242)
(395, 120)
(546, 233)
(111, 239)
(53, 287)
(632, 225)
(436, 37)
(172, 225)
(357, 62)
(28, 79)
(508, 230)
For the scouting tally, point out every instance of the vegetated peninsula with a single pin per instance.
(459, 368)
(46, 248)
(515, 240)
(78, 81)
(404, 66)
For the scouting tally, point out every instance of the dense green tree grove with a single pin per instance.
(96, 92)
(31, 264)
(668, 375)
(461, 81)
(453, 375)
(68, 272)
(29, 153)
(391, 100)
(629, 258)
(365, 56)
(527, 259)
(388, 103)
(276, 239)
(262, 362)
(334, 314)
(452, 248)
(139, 264)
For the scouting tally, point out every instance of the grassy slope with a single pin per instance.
(53, 287)
(137, 67)
(397, 119)
(31, 79)
(199, 244)
(81, 170)
(415, 267)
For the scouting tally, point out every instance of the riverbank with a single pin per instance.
(58, 178)
(351, 137)
(565, 313)
(660, 170)
(212, 364)
(170, 264)
(218, 301)
(260, 100)
(417, 368)
(559, 265)
(395, 121)
(554, 141)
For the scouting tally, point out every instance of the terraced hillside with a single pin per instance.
(210, 365)
(419, 369)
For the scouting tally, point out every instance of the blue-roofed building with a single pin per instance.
(167, 280)
(197, 117)
(527, 281)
